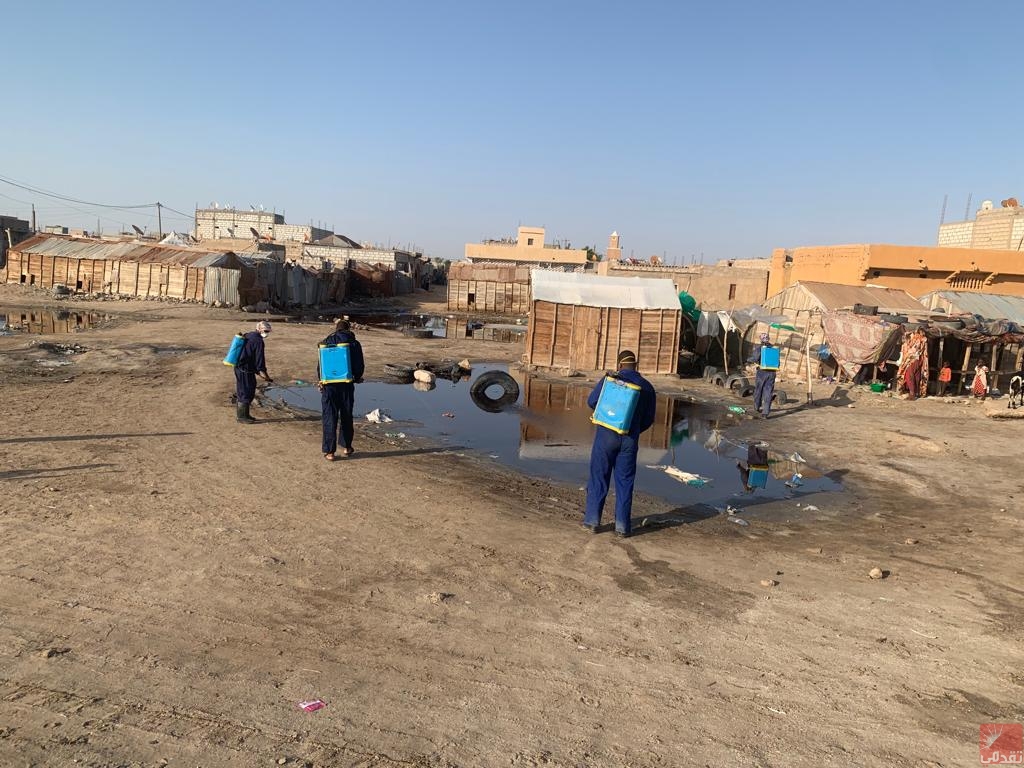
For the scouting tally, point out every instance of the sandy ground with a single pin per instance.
(173, 583)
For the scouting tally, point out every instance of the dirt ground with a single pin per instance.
(173, 583)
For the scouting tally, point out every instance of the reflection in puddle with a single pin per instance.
(548, 434)
(47, 321)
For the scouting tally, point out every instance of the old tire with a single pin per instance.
(737, 382)
(709, 370)
(718, 379)
(779, 397)
(398, 371)
(747, 391)
(509, 391)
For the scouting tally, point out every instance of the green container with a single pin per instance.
(877, 387)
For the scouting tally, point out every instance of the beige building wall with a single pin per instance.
(915, 269)
(992, 228)
(529, 247)
(714, 287)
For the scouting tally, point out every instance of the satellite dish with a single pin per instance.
(255, 234)
(141, 233)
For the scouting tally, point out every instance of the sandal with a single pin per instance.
(347, 452)
(329, 456)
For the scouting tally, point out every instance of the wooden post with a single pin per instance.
(967, 360)
(661, 330)
(572, 338)
(938, 384)
(554, 334)
(994, 367)
(807, 355)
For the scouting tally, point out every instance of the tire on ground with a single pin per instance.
(718, 379)
(747, 391)
(779, 397)
(737, 382)
(398, 371)
(483, 400)
(708, 371)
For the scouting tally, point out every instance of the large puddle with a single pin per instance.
(548, 434)
(47, 321)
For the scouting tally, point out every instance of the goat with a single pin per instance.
(1016, 390)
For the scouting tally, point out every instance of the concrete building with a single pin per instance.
(218, 223)
(528, 248)
(12, 231)
(915, 269)
(730, 283)
(992, 228)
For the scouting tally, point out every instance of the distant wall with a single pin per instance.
(714, 287)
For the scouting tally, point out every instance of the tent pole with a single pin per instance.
(807, 356)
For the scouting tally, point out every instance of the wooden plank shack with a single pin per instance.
(112, 267)
(582, 322)
(486, 288)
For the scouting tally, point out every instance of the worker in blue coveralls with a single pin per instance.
(764, 382)
(251, 361)
(615, 454)
(337, 400)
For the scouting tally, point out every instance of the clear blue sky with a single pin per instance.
(727, 128)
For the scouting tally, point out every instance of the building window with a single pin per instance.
(471, 298)
(732, 291)
(877, 273)
(529, 241)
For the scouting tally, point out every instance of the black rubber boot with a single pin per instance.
(242, 414)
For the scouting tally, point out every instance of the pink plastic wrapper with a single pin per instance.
(311, 706)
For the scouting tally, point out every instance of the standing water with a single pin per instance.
(547, 433)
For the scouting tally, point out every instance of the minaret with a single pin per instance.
(614, 251)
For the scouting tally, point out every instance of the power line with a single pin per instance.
(58, 196)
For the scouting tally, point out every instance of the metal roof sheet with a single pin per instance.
(80, 248)
(989, 305)
(600, 291)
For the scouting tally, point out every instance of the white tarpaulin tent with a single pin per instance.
(599, 291)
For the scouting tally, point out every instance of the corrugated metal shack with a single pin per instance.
(126, 269)
(489, 288)
(289, 284)
(581, 321)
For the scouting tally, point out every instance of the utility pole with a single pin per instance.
(159, 222)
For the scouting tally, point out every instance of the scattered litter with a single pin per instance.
(876, 573)
(311, 706)
(797, 458)
(736, 409)
(399, 435)
(738, 521)
(687, 478)
(425, 376)
(377, 416)
(448, 415)
(300, 383)
(769, 583)
(731, 510)
(922, 634)
(810, 508)
(795, 481)
(494, 456)
(464, 364)
(439, 597)
(910, 541)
